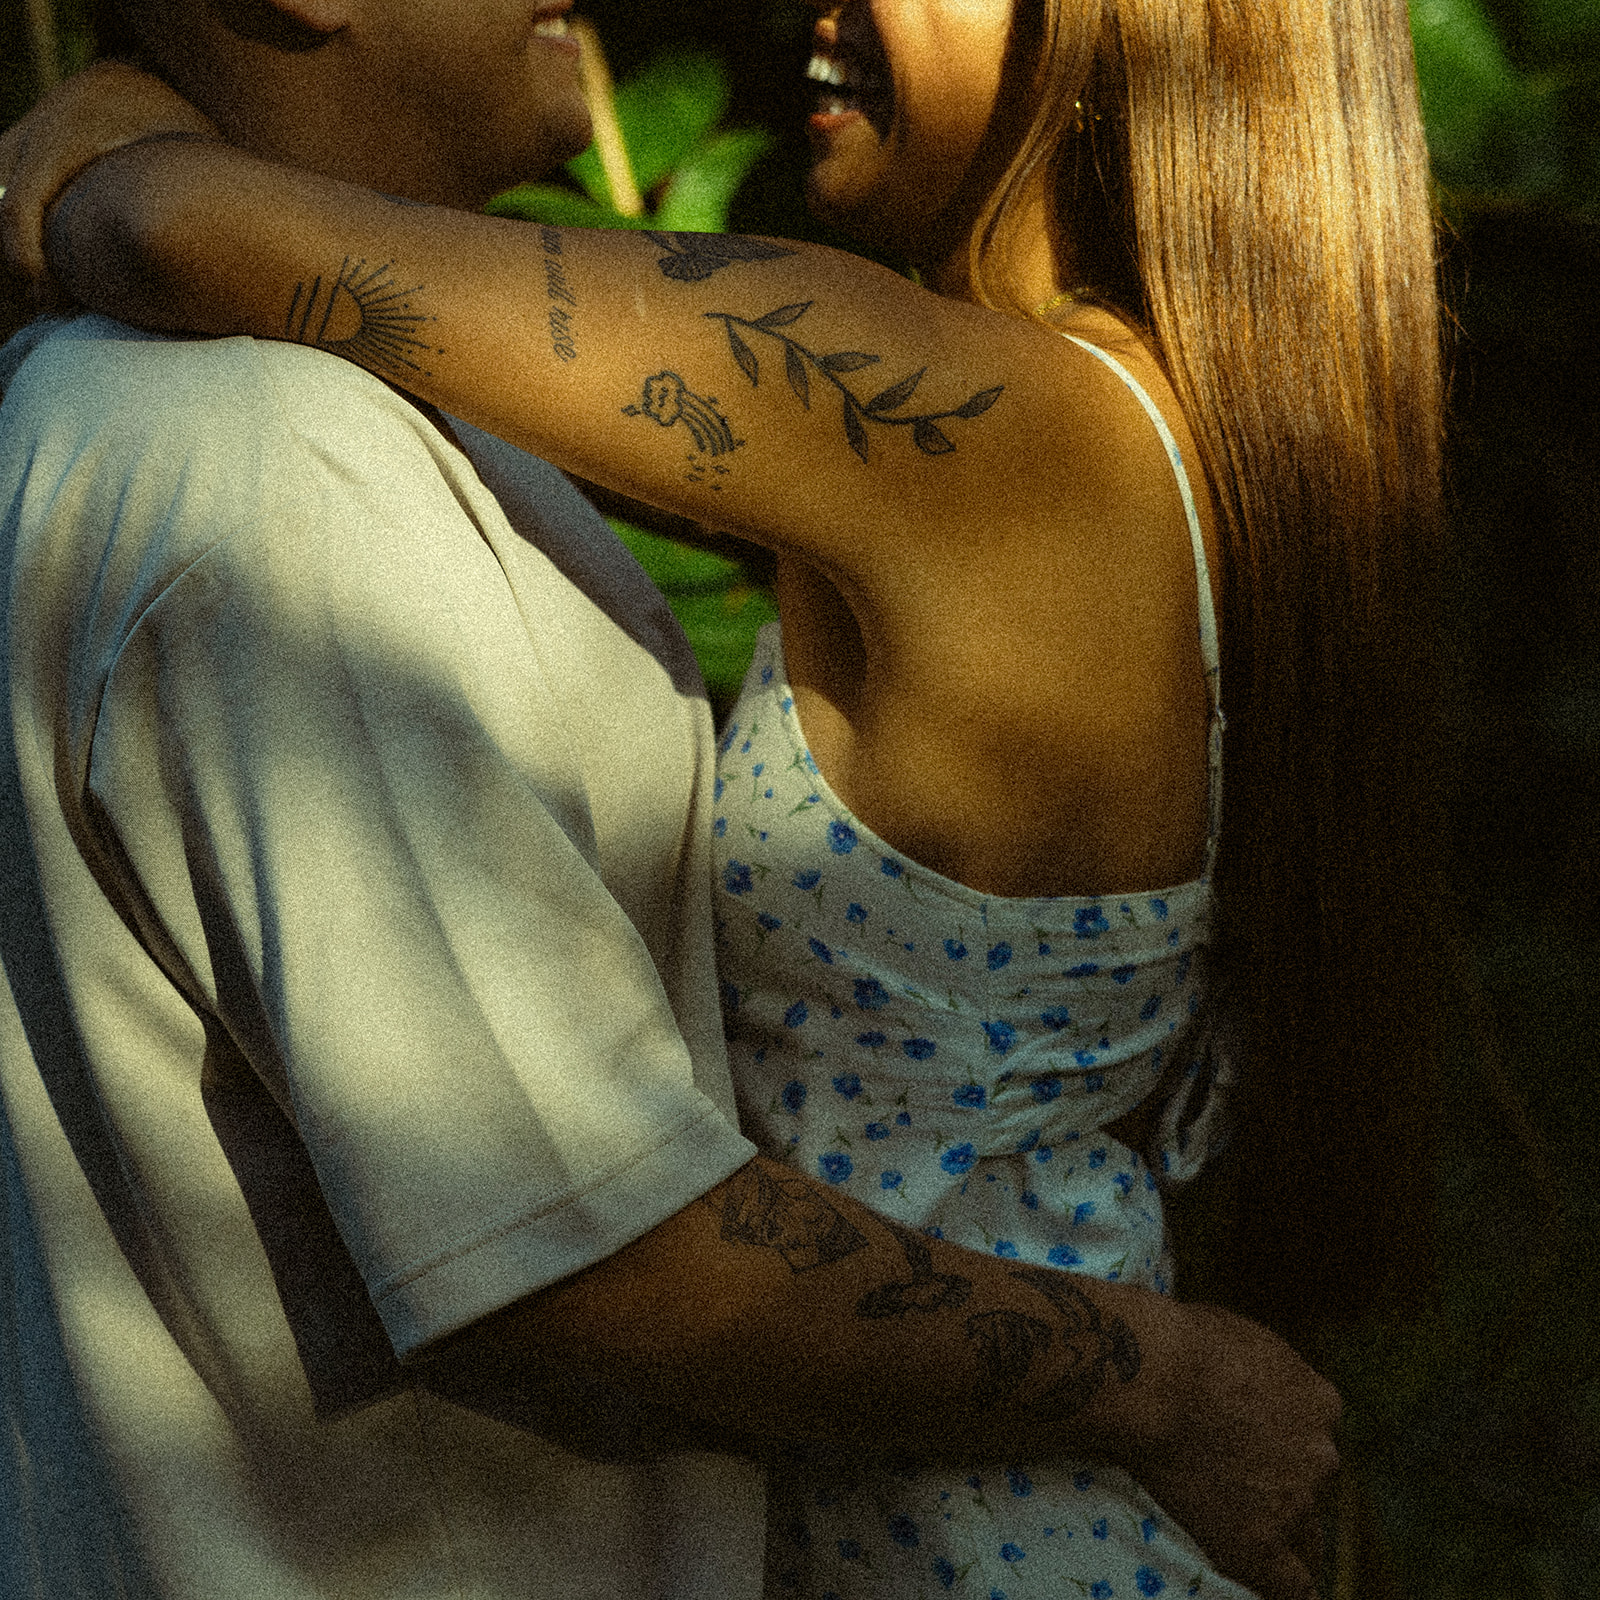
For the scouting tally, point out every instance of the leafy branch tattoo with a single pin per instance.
(692, 257)
(361, 315)
(927, 1290)
(667, 400)
(926, 433)
(786, 1215)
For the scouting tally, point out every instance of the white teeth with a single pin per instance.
(551, 28)
(834, 108)
(821, 70)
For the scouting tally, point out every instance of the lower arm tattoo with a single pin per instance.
(787, 1215)
(359, 314)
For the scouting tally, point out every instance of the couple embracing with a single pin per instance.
(471, 1130)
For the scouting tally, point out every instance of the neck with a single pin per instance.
(1035, 269)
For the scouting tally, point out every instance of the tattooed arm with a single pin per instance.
(776, 1308)
(790, 392)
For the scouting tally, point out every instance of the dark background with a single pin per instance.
(1477, 1433)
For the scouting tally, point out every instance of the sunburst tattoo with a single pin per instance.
(361, 315)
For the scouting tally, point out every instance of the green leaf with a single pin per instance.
(561, 208)
(702, 189)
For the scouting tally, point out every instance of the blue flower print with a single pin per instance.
(1083, 1482)
(962, 1158)
(1099, 1528)
(758, 769)
(1094, 1082)
(807, 880)
(717, 788)
(999, 955)
(1043, 1153)
(1044, 949)
(1089, 923)
(1056, 1018)
(877, 1130)
(1012, 1552)
(1006, 1249)
(720, 827)
(870, 994)
(835, 1166)
(848, 1084)
(796, 1014)
(904, 1532)
(1183, 965)
(1084, 969)
(1030, 1201)
(1100, 1590)
(970, 1095)
(918, 1049)
(1097, 1159)
(1150, 1181)
(1147, 1529)
(1029, 1141)
(849, 1550)
(1160, 909)
(1021, 1483)
(821, 951)
(730, 998)
(955, 950)
(1124, 1181)
(892, 868)
(1082, 1212)
(944, 1571)
(768, 921)
(841, 838)
(728, 738)
(1046, 1089)
(891, 1180)
(744, 749)
(902, 1119)
(1122, 974)
(856, 912)
(793, 1096)
(1149, 1580)
(1084, 1058)
(871, 1041)
(1001, 1036)
(1148, 1010)
(736, 878)
(1063, 1255)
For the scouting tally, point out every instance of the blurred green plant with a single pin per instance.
(1511, 97)
(681, 160)
(668, 116)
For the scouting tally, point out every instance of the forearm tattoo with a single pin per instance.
(361, 315)
(563, 302)
(787, 1215)
(799, 362)
(926, 1290)
(691, 257)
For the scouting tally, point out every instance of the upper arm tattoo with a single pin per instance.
(787, 1215)
(693, 256)
(361, 315)
(926, 433)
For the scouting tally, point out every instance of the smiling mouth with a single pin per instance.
(852, 77)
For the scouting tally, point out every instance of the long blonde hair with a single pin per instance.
(1247, 180)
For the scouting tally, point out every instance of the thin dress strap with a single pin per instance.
(1210, 656)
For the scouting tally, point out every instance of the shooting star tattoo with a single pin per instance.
(786, 1215)
(667, 400)
(926, 433)
(691, 257)
(360, 314)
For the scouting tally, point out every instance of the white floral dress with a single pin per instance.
(951, 1059)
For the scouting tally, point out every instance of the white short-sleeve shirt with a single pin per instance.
(360, 982)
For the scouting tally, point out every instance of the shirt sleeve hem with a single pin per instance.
(554, 1244)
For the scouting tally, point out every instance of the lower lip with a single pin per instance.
(830, 121)
(562, 43)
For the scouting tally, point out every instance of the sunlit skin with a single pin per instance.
(925, 75)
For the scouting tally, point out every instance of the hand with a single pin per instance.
(1248, 1455)
(101, 109)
